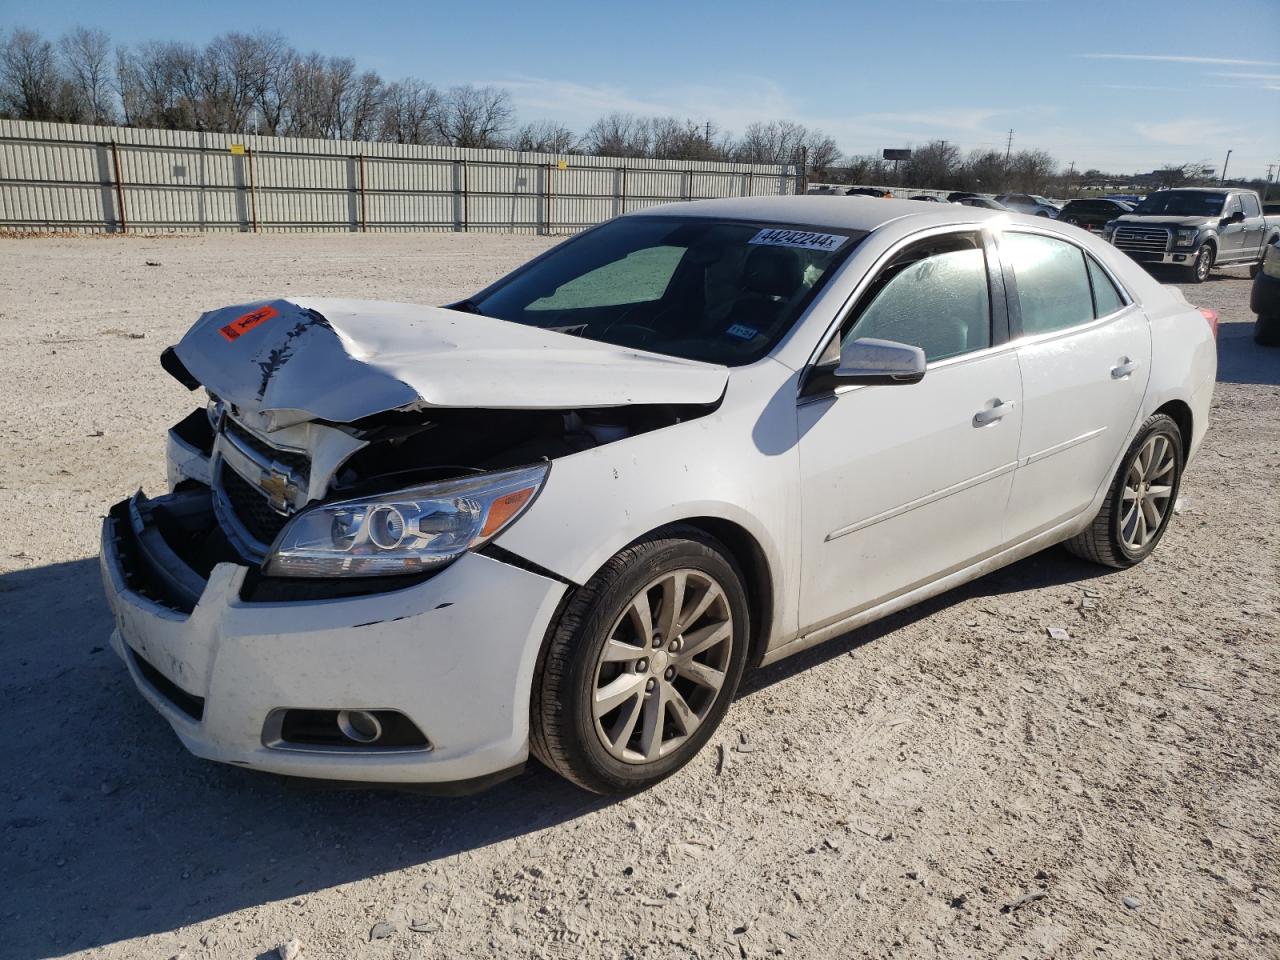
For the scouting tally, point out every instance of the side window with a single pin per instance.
(1106, 298)
(637, 278)
(933, 295)
(1053, 286)
(1233, 206)
(1250, 202)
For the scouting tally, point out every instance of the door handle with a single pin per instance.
(1123, 368)
(992, 413)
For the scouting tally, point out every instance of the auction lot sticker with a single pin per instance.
(243, 324)
(805, 239)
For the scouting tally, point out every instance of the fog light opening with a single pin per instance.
(359, 726)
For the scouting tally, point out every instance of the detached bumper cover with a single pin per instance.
(455, 654)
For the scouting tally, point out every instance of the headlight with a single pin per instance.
(1271, 261)
(1185, 237)
(407, 531)
(1108, 228)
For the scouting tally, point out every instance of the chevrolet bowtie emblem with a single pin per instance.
(279, 488)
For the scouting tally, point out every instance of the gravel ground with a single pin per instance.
(950, 782)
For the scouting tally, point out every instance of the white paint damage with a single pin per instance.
(341, 360)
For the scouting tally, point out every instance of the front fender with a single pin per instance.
(738, 463)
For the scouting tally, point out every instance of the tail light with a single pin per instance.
(1211, 316)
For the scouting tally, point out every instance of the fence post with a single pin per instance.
(550, 218)
(364, 214)
(120, 212)
(466, 194)
(623, 205)
(688, 184)
(253, 191)
(456, 168)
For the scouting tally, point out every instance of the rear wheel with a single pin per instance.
(1198, 272)
(642, 664)
(1140, 501)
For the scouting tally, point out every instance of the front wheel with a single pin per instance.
(1140, 501)
(1198, 272)
(642, 664)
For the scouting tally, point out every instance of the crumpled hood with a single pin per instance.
(1164, 221)
(340, 360)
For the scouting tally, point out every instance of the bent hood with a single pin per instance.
(340, 360)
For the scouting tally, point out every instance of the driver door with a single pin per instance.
(903, 483)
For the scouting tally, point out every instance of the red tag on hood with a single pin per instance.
(240, 325)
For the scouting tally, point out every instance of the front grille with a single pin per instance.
(250, 506)
(1142, 239)
(298, 463)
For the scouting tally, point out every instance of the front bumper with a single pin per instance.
(1181, 258)
(455, 654)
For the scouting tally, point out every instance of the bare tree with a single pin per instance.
(933, 165)
(475, 116)
(1030, 171)
(618, 135)
(545, 136)
(29, 82)
(410, 112)
(86, 59)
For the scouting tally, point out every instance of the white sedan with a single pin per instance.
(412, 543)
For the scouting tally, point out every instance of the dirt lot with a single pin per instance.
(888, 794)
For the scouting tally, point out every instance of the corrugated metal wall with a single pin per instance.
(56, 176)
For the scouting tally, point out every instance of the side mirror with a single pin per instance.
(1237, 217)
(870, 361)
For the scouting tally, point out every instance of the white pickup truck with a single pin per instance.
(1196, 228)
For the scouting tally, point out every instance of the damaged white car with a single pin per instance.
(414, 544)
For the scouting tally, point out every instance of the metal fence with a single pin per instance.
(66, 177)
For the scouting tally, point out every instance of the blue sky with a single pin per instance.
(1123, 85)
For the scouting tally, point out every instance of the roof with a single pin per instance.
(814, 210)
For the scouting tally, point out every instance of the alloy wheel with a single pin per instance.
(1203, 264)
(663, 666)
(1148, 492)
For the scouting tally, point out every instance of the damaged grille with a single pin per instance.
(250, 506)
(298, 463)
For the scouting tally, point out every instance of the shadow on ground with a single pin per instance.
(91, 772)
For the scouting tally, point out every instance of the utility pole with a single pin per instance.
(1008, 147)
(1224, 166)
(1070, 171)
(1266, 191)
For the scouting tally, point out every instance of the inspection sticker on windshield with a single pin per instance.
(775, 237)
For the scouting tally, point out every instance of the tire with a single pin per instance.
(1108, 540)
(1199, 270)
(1255, 269)
(595, 644)
(1266, 331)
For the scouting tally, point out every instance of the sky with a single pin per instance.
(1123, 85)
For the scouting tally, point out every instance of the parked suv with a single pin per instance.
(1195, 228)
(1093, 214)
(1030, 204)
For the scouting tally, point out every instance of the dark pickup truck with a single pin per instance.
(1196, 229)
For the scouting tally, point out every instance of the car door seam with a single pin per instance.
(922, 501)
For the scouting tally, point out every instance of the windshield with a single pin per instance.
(700, 289)
(1182, 203)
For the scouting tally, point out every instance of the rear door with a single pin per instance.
(1085, 355)
(903, 483)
